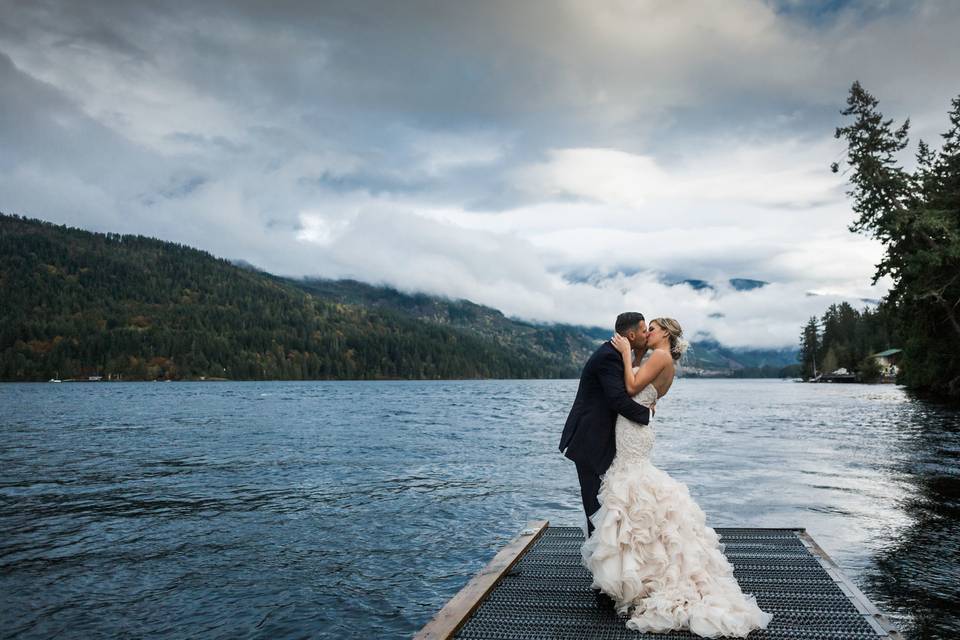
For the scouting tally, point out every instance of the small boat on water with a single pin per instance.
(55, 380)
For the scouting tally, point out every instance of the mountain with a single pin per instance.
(597, 276)
(81, 304)
(710, 358)
(577, 341)
(746, 284)
(567, 345)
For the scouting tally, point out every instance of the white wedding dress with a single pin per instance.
(653, 553)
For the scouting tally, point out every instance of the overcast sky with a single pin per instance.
(561, 161)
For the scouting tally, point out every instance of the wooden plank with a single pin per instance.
(459, 609)
(877, 620)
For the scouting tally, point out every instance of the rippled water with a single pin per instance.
(349, 509)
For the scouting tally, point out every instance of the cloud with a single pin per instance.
(786, 173)
(414, 253)
(559, 161)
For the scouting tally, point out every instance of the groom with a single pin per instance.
(588, 436)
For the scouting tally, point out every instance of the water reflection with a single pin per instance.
(917, 571)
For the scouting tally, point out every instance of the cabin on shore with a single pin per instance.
(888, 362)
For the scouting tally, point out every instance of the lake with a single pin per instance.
(357, 509)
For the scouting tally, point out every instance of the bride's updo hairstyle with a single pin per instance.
(678, 344)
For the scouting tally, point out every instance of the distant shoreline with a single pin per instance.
(114, 381)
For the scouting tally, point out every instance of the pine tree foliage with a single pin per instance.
(809, 349)
(916, 215)
(844, 338)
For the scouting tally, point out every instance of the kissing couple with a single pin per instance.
(648, 546)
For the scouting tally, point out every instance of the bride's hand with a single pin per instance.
(620, 343)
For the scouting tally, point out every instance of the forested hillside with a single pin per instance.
(573, 342)
(569, 345)
(77, 304)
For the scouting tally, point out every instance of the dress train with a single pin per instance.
(653, 554)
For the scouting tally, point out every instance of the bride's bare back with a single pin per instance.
(664, 380)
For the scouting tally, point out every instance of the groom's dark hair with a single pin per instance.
(627, 321)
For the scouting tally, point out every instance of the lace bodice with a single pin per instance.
(647, 396)
(635, 441)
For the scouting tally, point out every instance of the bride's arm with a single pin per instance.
(648, 371)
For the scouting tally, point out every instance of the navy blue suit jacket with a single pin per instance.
(588, 435)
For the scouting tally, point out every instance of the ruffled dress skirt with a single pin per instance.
(653, 554)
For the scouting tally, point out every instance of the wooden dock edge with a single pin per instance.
(877, 620)
(459, 609)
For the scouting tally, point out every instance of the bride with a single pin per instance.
(651, 550)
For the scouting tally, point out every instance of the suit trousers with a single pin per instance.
(589, 488)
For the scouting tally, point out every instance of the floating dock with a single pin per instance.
(535, 587)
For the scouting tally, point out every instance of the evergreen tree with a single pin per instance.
(917, 218)
(809, 349)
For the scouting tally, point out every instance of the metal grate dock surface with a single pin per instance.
(542, 591)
